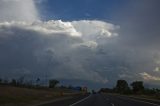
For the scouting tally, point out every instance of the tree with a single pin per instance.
(122, 86)
(20, 81)
(137, 86)
(93, 92)
(13, 82)
(5, 82)
(37, 82)
(105, 90)
(0, 81)
(53, 83)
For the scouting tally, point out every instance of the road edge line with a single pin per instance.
(80, 101)
(112, 104)
(144, 102)
(136, 99)
(140, 99)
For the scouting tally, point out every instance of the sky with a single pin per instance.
(81, 42)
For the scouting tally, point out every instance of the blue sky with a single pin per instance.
(81, 9)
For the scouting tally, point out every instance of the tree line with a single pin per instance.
(52, 83)
(21, 82)
(136, 87)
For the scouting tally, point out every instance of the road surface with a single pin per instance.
(103, 100)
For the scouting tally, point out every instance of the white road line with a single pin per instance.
(112, 104)
(80, 101)
(144, 102)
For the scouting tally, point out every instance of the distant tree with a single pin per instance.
(13, 82)
(29, 84)
(5, 82)
(137, 86)
(122, 86)
(105, 90)
(53, 83)
(148, 91)
(62, 86)
(93, 92)
(20, 81)
(37, 81)
(0, 81)
(157, 90)
(70, 87)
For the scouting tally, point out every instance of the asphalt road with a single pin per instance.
(103, 100)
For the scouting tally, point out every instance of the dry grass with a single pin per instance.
(15, 95)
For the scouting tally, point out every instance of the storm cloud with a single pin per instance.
(139, 33)
(92, 51)
(60, 49)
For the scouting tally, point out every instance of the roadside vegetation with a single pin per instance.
(135, 89)
(20, 92)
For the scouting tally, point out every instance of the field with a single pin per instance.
(14, 96)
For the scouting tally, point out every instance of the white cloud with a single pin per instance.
(124, 76)
(90, 44)
(157, 69)
(58, 27)
(21, 10)
(60, 48)
(149, 77)
(95, 29)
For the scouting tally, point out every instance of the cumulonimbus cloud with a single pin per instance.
(89, 50)
(57, 48)
(21, 10)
